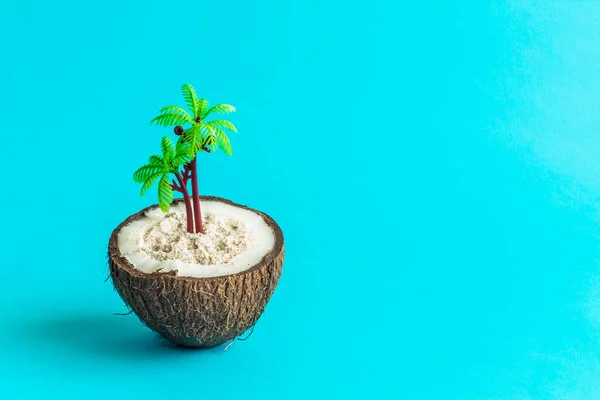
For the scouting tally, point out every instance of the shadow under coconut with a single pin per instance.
(111, 336)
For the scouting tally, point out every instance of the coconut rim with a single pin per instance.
(122, 262)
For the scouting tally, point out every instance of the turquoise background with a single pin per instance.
(435, 168)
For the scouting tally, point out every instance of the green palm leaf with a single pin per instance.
(219, 109)
(210, 141)
(171, 116)
(201, 106)
(156, 160)
(150, 181)
(221, 123)
(165, 193)
(169, 119)
(145, 172)
(177, 110)
(222, 141)
(189, 95)
(167, 148)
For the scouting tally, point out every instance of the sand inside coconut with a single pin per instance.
(234, 239)
(223, 239)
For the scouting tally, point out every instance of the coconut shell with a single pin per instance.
(197, 312)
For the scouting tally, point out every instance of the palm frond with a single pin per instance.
(201, 106)
(167, 148)
(210, 141)
(223, 124)
(222, 141)
(150, 181)
(178, 110)
(169, 119)
(189, 95)
(143, 173)
(219, 109)
(171, 116)
(165, 193)
(156, 160)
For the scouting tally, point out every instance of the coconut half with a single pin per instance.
(196, 304)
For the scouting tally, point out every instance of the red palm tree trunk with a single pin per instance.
(196, 198)
(188, 204)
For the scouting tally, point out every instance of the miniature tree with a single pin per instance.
(197, 136)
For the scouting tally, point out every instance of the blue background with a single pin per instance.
(435, 167)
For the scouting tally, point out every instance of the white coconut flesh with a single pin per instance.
(234, 240)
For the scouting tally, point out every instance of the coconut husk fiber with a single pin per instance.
(197, 312)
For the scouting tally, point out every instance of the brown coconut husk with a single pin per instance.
(197, 312)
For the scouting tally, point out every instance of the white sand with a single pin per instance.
(235, 239)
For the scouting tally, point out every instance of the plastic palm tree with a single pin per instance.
(196, 135)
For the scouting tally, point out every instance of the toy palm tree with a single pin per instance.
(196, 134)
